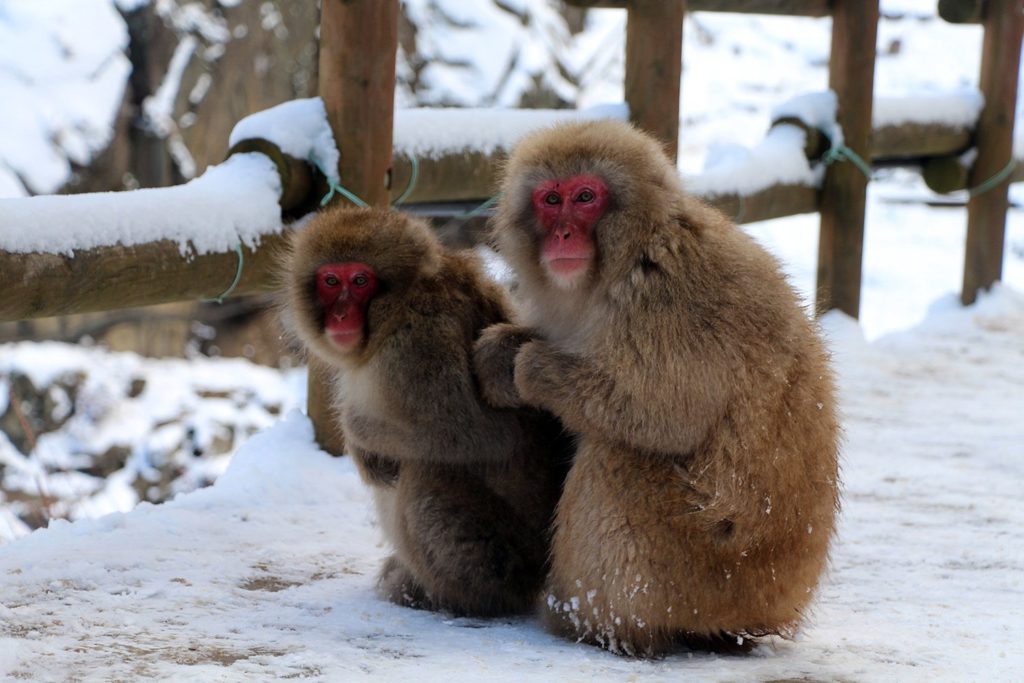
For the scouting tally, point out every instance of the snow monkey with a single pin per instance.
(702, 497)
(465, 491)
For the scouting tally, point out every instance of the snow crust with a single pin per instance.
(233, 202)
(270, 572)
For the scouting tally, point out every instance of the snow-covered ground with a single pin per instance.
(269, 573)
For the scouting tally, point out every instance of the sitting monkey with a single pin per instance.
(465, 491)
(703, 493)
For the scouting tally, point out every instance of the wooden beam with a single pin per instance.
(844, 193)
(948, 174)
(986, 210)
(654, 67)
(796, 8)
(358, 49)
(301, 186)
(962, 11)
(107, 278)
(773, 202)
(895, 143)
(456, 177)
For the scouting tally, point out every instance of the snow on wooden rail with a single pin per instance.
(80, 253)
(806, 8)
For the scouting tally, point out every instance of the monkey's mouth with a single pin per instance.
(345, 340)
(568, 266)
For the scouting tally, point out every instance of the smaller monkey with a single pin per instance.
(465, 492)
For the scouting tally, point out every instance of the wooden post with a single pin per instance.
(358, 48)
(843, 196)
(654, 67)
(986, 210)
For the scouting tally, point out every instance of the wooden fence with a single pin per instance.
(358, 46)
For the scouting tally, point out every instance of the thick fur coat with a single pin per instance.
(703, 494)
(465, 491)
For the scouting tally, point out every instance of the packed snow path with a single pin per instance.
(269, 573)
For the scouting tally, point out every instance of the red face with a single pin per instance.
(567, 209)
(344, 291)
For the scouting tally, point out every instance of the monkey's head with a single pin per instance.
(346, 276)
(581, 199)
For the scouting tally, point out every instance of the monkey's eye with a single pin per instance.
(331, 280)
(552, 198)
(585, 196)
(360, 280)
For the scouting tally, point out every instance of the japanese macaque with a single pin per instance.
(703, 493)
(465, 491)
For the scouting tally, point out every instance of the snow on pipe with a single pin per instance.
(935, 130)
(109, 250)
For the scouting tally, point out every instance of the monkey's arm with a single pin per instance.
(494, 356)
(435, 413)
(656, 413)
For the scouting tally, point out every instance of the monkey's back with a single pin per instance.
(474, 534)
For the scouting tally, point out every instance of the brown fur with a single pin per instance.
(703, 495)
(465, 491)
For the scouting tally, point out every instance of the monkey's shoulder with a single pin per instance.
(458, 294)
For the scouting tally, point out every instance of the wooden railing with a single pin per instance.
(358, 42)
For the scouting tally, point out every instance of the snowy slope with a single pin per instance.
(59, 105)
(269, 573)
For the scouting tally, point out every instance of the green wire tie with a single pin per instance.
(994, 181)
(335, 187)
(234, 283)
(414, 176)
(844, 153)
(483, 207)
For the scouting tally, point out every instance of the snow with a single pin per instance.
(299, 128)
(60, 104)
(958, 108)
(778, 159)
(484, 53)
(269, 573)
(433, 132)
(163, 425)
(233, 202)
(817, 110)
(923, 578)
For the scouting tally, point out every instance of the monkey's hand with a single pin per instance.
(494, 359)
(538, 374)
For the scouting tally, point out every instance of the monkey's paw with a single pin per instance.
(494, 359)
(397, 584)
(531, 373)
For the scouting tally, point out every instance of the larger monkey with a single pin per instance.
(465, 491)
(703, 494)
